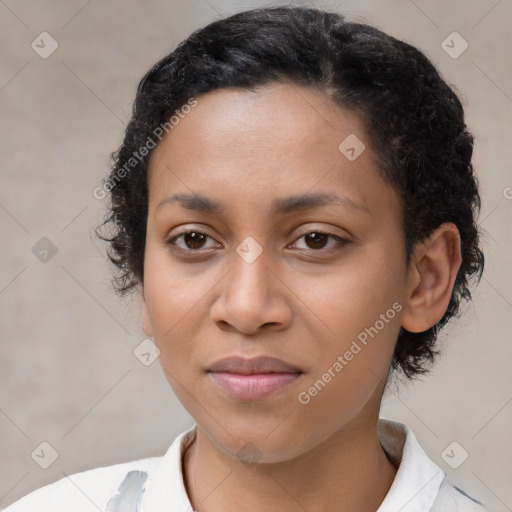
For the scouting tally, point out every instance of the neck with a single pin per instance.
(348, 471)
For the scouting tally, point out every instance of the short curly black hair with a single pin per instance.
(415, 121)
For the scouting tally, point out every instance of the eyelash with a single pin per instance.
(341, 242)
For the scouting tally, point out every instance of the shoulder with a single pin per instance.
(454, 498)
(432, 488)
(87, 490)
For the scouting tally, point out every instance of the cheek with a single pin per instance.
(171, 299)
(362, 312)
(353, 297)
(359, 307)
(172, 290)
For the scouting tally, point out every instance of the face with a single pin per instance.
(260, 266)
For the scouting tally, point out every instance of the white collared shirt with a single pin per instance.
(156, 484)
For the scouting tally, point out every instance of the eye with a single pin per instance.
(192, 240)
(316, 241)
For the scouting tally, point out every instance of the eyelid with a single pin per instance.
(326, 230)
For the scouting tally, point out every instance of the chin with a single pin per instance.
(260, 442)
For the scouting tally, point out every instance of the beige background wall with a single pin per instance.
(68, 373)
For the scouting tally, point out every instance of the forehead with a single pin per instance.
(265, 142)
(279, 116)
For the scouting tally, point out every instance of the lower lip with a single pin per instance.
(252, 387)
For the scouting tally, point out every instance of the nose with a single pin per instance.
(252, 297)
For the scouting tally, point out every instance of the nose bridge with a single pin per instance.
(250, 268)
(250, 295)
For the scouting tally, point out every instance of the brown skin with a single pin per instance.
(296, 301)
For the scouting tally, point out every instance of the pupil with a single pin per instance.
(316, 238)
(191, 239)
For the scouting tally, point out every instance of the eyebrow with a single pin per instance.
(279, 206)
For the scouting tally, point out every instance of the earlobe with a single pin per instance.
(433, 269)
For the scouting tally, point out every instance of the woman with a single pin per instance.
(295, 202)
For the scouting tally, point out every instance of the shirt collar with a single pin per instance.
(414, 488)
(418, 478)
(165, 488)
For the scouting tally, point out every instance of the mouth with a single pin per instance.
(252, 379)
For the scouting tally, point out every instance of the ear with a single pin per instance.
(434, 265)
(146, 322)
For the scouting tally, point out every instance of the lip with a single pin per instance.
(244, 366)
(252, 379)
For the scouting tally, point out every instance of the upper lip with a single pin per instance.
(243, 366)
